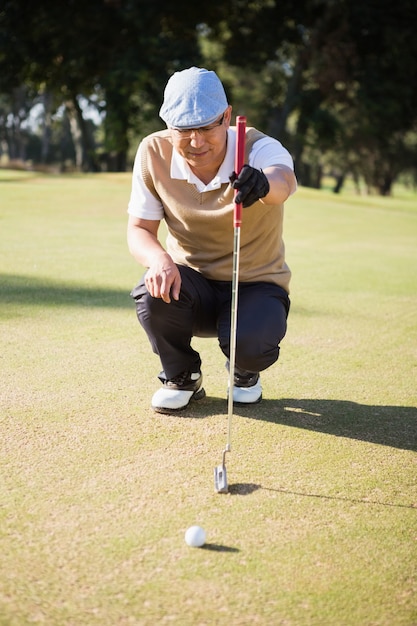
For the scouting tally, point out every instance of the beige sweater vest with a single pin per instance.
(200, 225)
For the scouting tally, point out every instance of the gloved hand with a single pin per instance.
(251, 184)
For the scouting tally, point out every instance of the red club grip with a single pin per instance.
(239, 161)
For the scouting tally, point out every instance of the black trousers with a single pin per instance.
(203, 310)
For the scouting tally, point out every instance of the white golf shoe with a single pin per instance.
(176, 393)
(247, 388)
(248, 395)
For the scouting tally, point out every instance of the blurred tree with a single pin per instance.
(386, 75)
(122, 47)
(334, 80)
(337, 80)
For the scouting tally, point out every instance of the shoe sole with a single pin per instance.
(198, 395)
(248, 403)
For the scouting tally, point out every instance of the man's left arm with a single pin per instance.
(282, 183)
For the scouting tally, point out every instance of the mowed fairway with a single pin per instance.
(96, 491)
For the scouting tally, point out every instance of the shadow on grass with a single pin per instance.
(394, 426)
(244, 489)
(341, 498)
(216, 547)
(27, 290)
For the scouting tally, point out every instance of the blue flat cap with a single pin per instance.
(192, 98)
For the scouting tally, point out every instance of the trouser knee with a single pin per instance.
(255, 358)
(251, 355)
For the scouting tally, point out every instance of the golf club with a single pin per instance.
(220, 474)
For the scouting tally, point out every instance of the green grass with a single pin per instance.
(96, 491)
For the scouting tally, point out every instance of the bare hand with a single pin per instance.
(163, 279)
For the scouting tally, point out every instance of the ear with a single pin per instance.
(227, 116)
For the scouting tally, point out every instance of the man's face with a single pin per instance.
(204, 147)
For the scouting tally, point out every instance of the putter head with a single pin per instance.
(220, 479)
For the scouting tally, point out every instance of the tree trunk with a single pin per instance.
(47, 127)
(280, 116)
(85, 153)
(16, 138)
(116, 126)
(340, 180)
(116, 161)
(75, 133)
(385, 186)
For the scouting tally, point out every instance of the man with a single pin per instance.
(184, 175)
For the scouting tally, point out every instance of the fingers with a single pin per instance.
(247, 193)
(163, 283)
(165, 288)
(246, 173)
(252, 184)
(176, 287)
(237, 181)
(158, 286)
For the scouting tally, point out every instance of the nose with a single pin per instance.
(197, 138)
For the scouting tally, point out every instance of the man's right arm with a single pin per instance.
(162, 279)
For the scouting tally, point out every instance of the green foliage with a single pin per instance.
(335, 81)
(339, 70)
(126, 48)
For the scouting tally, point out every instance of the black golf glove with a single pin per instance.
(251, 184)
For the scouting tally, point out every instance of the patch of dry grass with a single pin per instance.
(319, 527)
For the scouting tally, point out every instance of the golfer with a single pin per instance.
(184, 176)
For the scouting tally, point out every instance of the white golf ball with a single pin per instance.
(195, 536)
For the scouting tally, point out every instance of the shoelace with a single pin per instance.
(180, 379)
(245, 381)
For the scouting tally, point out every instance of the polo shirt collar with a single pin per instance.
(181, 170)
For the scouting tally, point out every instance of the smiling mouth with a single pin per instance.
(196, 155)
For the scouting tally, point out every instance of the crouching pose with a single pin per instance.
(184, 176)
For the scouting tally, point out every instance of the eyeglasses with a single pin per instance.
(204, 130)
